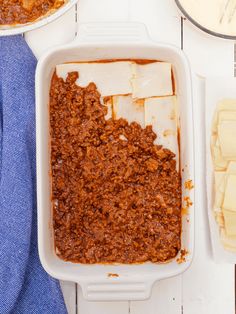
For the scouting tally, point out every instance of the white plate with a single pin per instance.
(7, 30)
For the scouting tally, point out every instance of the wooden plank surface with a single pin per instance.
(166, 298)
(161, 18)
(208, 55)
(86, 307)
(206, 288)
(59, 32)
(70, 297)
(104, 11)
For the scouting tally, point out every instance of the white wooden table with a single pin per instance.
(206, 288)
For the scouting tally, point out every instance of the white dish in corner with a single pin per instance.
(8, 30)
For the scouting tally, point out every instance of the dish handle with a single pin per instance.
(116, 289)
(112, 32)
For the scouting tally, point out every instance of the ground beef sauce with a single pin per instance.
(116, 196)
(14, 12)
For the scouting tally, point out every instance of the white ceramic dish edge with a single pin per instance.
(111, 41)
(19, 29)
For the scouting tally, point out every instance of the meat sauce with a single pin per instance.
(116, 196)
(15, 12)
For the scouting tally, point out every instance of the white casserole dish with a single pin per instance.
(111, 41)
(7, 30)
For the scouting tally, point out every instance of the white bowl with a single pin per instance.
(7, 30)
(97, 42)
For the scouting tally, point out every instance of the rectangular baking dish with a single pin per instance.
(97, 42)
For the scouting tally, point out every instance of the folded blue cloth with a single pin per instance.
(24, 286)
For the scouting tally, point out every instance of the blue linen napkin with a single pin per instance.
(24, 286)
